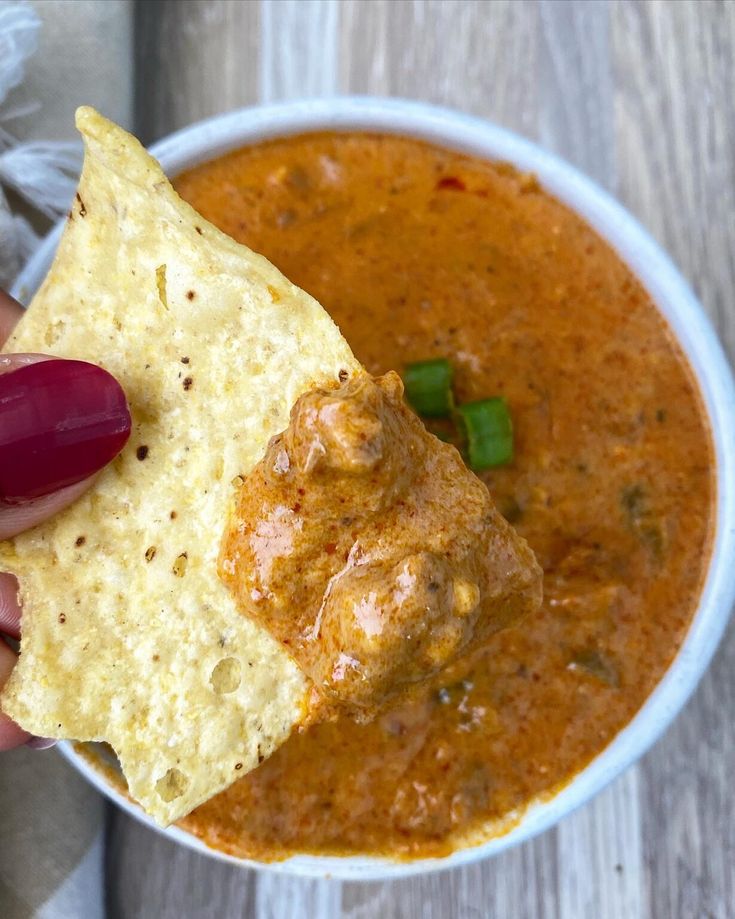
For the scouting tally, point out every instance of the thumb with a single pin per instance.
(61, 421)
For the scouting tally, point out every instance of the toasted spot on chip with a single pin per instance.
(179, 565)
(226, 675)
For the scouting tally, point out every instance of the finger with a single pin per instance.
(60, 423)
(10, 734)
(10, 313)
(17, 519)
(9, 607)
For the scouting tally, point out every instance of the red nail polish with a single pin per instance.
(60, 421)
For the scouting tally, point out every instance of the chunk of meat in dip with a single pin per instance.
(366, 546)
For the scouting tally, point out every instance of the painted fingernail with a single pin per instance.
(60, 421)
(40, 743)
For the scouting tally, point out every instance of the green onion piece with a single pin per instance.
(429, 387)
(489, 432)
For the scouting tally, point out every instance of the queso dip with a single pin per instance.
(420, 253)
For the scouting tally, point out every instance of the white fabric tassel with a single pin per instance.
(45, 173)
(19, 27)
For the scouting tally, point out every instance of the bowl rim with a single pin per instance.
(207, 139)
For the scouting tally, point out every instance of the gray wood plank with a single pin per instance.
(519, 883)
(600, 865)
(282, 897)
(474, 55)
(298, 49)
(151, 876)
(193, 59)
(674, 77)
(575, 86)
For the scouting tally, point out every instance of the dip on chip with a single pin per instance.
(129, 636)
(280, 538)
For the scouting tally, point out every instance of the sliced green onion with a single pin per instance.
(429, 387)
(489, 432)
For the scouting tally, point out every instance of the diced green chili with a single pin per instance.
(633, 500)
(489, 432)
(596, 665)
(429, 387)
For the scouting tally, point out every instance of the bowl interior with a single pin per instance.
(671, 294)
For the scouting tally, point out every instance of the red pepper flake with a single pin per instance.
(80, 540)
(296, 508)
(301, 491)
(330, 548)
(450, 183)
(188, 383)
(142, 452)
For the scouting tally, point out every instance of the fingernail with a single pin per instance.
(40, 743)
(60, 421)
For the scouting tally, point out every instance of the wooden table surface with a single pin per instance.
(639, 95)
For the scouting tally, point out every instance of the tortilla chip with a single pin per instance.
(128, 635)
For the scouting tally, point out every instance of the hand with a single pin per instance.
(60, 423)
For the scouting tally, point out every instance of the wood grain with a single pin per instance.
(193, 59)
(675, 134)
(639, 96)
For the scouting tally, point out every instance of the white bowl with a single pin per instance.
(670, 292)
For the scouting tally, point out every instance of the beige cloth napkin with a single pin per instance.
(52, 823)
